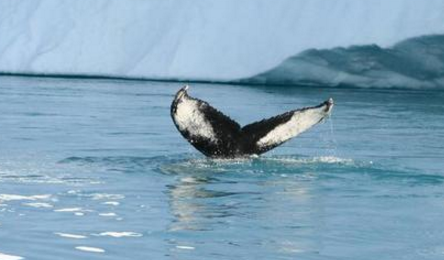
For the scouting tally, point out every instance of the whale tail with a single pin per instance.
(217, 135)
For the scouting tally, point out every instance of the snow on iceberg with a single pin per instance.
(196, 39)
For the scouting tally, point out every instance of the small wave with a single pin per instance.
(313, 160)
(108, 214)
(119, 234)
(111, 198)
(106, 196)
(90, 249)
(296, 167)
(39, 205)
(68, 210)
(29, 170)
(125, 164)
(13, 197)
(261, 165)
(115, 160)
(77, 211)
(48, 179)
(111, 203)
(73, 236)
(185, 247)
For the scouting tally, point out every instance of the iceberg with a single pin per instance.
(416, 63)
(207, 40)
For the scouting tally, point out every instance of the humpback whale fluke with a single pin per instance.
(216, 135)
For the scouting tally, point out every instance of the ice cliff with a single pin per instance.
(199, 39)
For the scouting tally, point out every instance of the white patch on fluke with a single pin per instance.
(299, 122)
(188, 117)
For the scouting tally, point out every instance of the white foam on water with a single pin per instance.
(15, 197)
(189, 180)
(69, 210)
(291, 247)
(107, 196)
(9, 257)
(186, 247)
(66, 235)
(120, 234)
(312, 160)
(77, 211)
(97, 196)
(90, 249)
(112, 203)
(332, 159)
(109, 214)
(38, 205)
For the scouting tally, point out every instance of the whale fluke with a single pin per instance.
(217, 135)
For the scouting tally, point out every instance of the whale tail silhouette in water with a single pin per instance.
(216, 135)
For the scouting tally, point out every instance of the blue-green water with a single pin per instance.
(95, 169)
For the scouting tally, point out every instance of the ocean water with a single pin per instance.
(95, 169)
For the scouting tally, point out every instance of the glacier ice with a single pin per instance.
(196, 39)
(414, 63)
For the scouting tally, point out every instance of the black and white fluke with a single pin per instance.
(216, 135)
